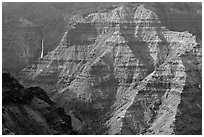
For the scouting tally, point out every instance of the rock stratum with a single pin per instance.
(125, 73)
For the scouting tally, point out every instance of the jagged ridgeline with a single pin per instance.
(122, 72)
(30, 111)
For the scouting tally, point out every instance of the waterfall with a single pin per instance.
(41, 56)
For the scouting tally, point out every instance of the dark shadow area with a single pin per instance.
(82, 34)
(179, 16)
(30, 111)
(189, 117)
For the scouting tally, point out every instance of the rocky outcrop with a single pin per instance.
(125, 73)
(52, 18)
(27, 111)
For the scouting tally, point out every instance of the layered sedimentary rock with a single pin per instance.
(125, 73)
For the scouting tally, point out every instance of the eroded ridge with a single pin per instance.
(125, 73)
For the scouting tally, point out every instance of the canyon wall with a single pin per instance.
(123, 72)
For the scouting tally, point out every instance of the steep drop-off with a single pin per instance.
(125, 73)
(38, 20)
(29, 111)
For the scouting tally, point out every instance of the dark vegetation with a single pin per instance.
(31, 111)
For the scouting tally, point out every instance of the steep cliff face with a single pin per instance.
(125, 73)
(27, 111)
(51, 17)
(54, 17)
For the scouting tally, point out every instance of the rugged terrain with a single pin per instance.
(29, 111)
(26, 24)
(123, 72)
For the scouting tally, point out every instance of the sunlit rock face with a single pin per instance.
(125, 73)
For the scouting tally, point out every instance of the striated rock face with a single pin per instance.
(123, 72)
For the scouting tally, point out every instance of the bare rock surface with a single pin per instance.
(122, 72)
